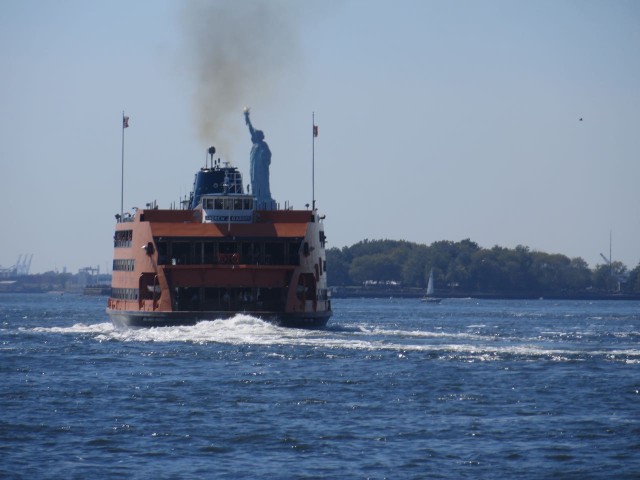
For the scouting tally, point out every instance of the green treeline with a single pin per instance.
(465, 267)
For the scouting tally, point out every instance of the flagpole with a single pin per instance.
(122, 171)
(125, 124)
(313, 161)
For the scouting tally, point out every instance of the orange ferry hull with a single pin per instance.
(171, 268)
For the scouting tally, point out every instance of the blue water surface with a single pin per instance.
(390, 389)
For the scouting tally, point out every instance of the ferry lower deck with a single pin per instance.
(141, 319)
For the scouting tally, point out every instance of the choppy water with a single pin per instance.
(391, 389)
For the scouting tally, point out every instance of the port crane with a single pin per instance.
(23, 264)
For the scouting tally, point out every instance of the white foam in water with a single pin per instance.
(238, 329)
(421, 334)
(247, 330)
(77, 328)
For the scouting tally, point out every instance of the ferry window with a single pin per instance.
(248, 204)
(123, 238)
(253, 252)
(227, 251)
(218, 204)
(228, 204)
(227, 247)
(208, 203)
(274, 253)
(147, 283)
(209, 252)
(198, 252)
(127, 265)
(237, 204)
(294, 256)
(125, 293)
(306, 288)
(161, 246)
(181, 252)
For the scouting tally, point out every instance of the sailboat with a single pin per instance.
(429, 298)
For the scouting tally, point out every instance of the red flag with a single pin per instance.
(315, 130)
(125, 122)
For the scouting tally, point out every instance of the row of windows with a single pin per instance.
(124, 293)
(227, 203)
(122, 238)
(238, 252)
(127, 265)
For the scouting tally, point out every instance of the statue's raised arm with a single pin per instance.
(248, 121)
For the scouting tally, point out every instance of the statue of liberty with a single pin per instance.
(260, 160)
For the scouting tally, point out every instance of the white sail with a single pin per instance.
(430, 284)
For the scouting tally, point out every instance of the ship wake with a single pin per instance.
(245, 329)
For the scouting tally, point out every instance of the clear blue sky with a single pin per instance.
(438, 120)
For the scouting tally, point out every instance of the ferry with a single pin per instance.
(220, 254)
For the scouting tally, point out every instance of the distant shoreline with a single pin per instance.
(367, 292)
(375, 292)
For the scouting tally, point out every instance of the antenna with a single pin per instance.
(313, 161)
